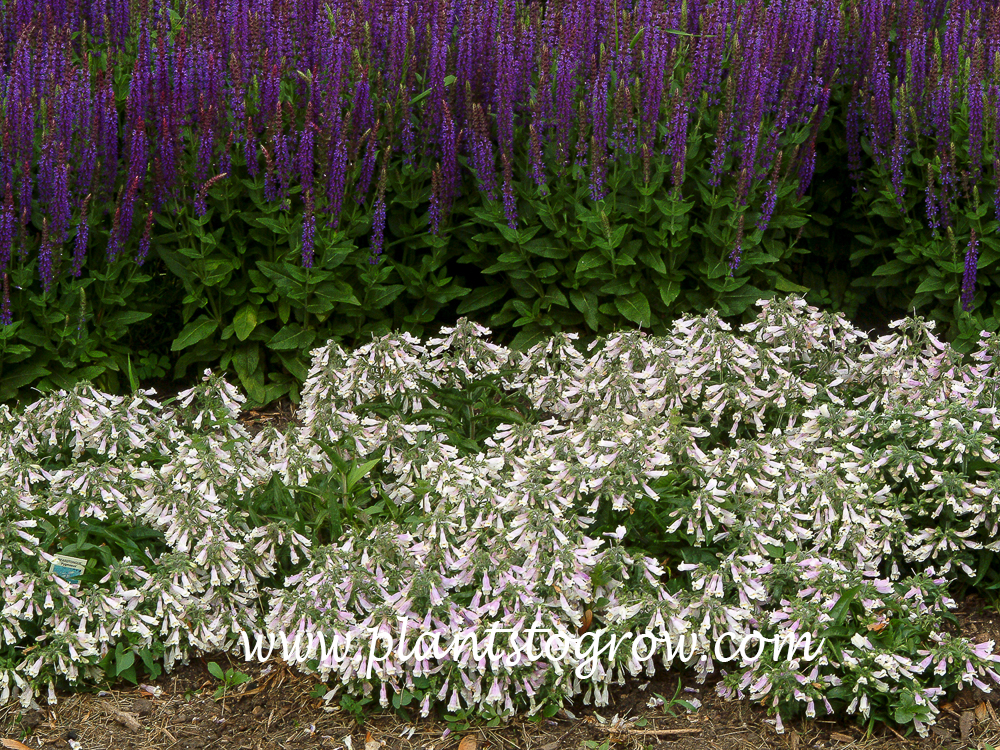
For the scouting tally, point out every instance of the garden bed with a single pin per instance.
(205, 530)
(275, 709)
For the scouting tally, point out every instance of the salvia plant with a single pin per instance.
(798, 478)
(200, 81)
(127, 125)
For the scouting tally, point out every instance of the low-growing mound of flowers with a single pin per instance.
(796, 479)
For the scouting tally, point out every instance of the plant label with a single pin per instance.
(68, 568)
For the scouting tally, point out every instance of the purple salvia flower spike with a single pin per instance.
(434, 209)
(113, 243)
(45, 269)
(8, 228)
(283, 157)
(6, 318)
(537, 166)
(737, 253)
(449, 161)
(305, 155)
(368, 165)
(337, 172)
(931, 201)
(378, 224)
(144, 242)
(771, 197)
(975, 100)
(82, 234)
(308, 232)
(509, 200)
(900, 149)
(969, 277)
(599, 119)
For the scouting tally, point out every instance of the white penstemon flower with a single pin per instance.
(508, 527)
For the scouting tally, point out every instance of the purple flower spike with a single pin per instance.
(509, 201)
(771, 198)
(305, 156)
(969, 277)
(449, 160)
(482, 151)
(537, 166)
(975, 94)
(144, 242)
(8, 226)
(932, 208)
(337, 174)
(368, 165)
(435, 207)
(378, 225)
(45, 269)
(113, 239)
(736, 256)
(5, 315)
(900, 149)
(308, 232)
(82, 234)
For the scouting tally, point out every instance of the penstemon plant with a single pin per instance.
(777, 474)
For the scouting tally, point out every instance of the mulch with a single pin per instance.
(180, 711)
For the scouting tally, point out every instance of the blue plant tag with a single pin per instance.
(68, 568)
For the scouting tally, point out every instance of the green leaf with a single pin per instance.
(294, 365)
(736, 302)
(592, 259)
(545, 249)
(931, 284)
(357, 472)
(673, 207)
(890, 268)
(123, 318)
(482, 297)
(195, 331)
(618, 235)
(247, 362)
(508, 234)
(652, 260)
(379, 297)
(132, 379)
(123, 659)
(784, 285)
(669, 289)
(275, 226)
(203, 220)
(282, 278)
(840, 609)
(527, 338)
(177, 266)
(291, 337)
(246, 359)
(329, 293)
(245, 321)
(635, 307)
(152, 666)
(586, 303)
(216, 671)
(19, 377)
